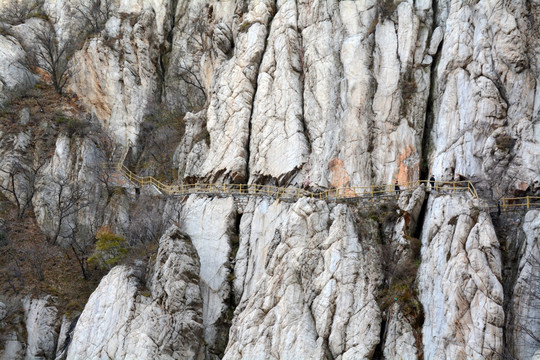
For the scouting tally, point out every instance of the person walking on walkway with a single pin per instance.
(432, 182)
(396, 187)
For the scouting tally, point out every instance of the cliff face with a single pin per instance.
(313, 93)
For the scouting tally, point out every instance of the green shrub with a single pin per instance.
(72, 126)
(110, 250)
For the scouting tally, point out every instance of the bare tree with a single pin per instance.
(80, 246)
(48, 53)
(524, 319)
(146, 221)
(68, 202)
(21, 185)
(93, 14)
(188, 76)
(16, 12)
(199, 42)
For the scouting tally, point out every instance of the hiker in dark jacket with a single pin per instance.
(432, 182)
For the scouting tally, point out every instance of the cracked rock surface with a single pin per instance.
(314, 293)
(121, 320)
(459, 282)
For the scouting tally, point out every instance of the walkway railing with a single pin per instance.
(289, 193)
(527, 202)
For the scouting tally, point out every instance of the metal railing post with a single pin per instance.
(528, 202)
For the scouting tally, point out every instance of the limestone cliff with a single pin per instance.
(308, 94)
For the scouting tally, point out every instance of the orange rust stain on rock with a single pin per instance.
(340, 177)
(407, 173)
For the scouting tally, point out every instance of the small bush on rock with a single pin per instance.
(110, 249)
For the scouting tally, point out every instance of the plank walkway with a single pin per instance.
(368, 196)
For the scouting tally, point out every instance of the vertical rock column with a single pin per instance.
(486, 128)
(209, 223)
(524, 323)
(309, 281)
(233, 90)
(459, 281)
(278, 145)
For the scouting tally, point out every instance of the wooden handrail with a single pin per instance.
(288, 192)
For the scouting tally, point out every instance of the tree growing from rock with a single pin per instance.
(51, 55)
(69, 200)
(16, 12)
(92, 15)
(20, 185)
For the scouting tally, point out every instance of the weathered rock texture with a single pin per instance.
(119, 70)
(309, 290)
(459, 281)
(400, 342)
(303, 102)
(209, 224)
(486, 124)
(70, 194)
(318, 93)
(524, 323)
(42, 326)
(14, 78)
(125, 320)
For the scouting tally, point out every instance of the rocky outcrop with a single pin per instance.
(319, 94)
(523, 324)
(118, 71)
(400, 342)
(29, 328)
(125, 320)
(306, 104)
(459, 281)
(70, 191)
(278, 145)
(485, 116)
(233, 89)
(42, 325)
(14, 78)
(310, 293)
(210, 225)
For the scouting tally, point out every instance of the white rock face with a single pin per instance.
(209, 222)
(14, 79)
(233, 89)
(117, 71)
(278, 145)
(487, 124)
(42, 324)
(202, 40)
(311, 292)
(524, 324)
(399, 342)
(121, 322)
(13, 348)
(307, 106)
(71, 176)
(459, 281)
(191, 152)
(257, 242)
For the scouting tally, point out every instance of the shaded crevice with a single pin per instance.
(429, 122)
(378, 354)
(421, 219)
(227, 318)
